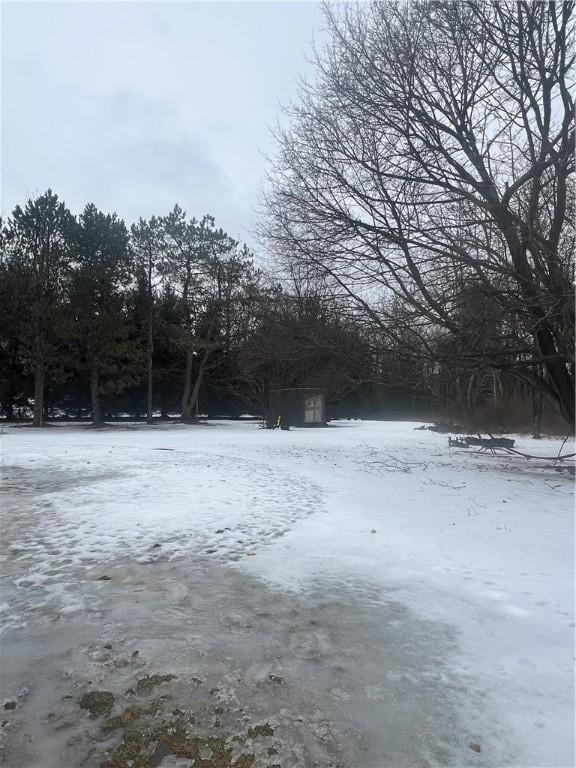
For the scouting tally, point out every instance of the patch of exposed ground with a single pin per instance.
(97, 702)
(145, 684)
(206, 667)
(209, 728)
(143, 749)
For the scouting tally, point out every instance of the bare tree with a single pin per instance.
(300, 339)
(434, 151)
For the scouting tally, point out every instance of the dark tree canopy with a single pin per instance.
(97, 319)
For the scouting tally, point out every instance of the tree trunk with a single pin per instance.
(199, 379)
(9, 392)
(150, 342)
(46, 403)
(95, 395)
(470, 396)
(494, 388)
(536, 412)
(560, 380)
(150, 392)
(39, 393)
(463, 401)
(558, 375)
(186, 405)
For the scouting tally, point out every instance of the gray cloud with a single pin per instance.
(138, 106)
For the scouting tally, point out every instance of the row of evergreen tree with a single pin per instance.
(98, 318)
(89, 305)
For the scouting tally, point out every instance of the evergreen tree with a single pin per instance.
(97, 296)
(39, 238)
(14, 378)
(203, 265)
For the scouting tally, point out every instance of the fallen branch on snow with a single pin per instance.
(505, 444)
(384, 462)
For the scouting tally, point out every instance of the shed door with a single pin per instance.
(313, 409)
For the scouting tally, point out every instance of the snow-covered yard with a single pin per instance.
(359, 595)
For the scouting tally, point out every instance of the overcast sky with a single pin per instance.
(136, 106)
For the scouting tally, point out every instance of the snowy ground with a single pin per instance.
(359, 595)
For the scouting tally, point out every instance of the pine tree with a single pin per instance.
(14, 378)
(97, 297)
(40, 238)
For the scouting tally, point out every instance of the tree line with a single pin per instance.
(98, 318)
